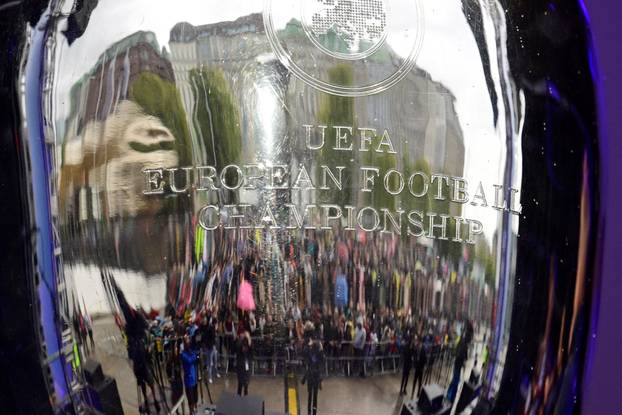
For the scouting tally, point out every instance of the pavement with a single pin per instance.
(339, 395)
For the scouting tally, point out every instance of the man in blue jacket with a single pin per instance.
(189, 360)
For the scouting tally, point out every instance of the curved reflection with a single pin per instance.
(205, 192)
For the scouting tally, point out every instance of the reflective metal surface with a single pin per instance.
(382, 162)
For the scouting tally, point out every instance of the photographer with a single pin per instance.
(173, 368)
(189, 359)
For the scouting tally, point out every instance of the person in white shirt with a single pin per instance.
(360, 335)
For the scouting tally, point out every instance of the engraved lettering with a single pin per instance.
(369, 175)
(205, 176)
(460, 194)
(341, 138)
(440, 178)
(417, 223)
(154, 183)
(395, 222)
(173, 182)
(206, 220)
(326, 172)
(366, 139)
(327, 217)
(425, 184)
(386, 142)
(400, 182)
(308, 129)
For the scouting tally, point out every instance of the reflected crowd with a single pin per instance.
(370, 300)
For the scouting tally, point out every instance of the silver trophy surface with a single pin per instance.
(395, 180)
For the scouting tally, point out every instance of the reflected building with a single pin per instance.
(239, 51)
(213, 81)
(228, 46)
(109, 104)
(231, 65)
(109, 136)
(124, 117)
(221, 97)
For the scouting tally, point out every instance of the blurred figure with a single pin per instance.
(229, 328)
(208, 346)
(420, 361)
(462, 352)
(475, 374)
(243, 363)
(138, 353)
(189, 360)
(135, 330)
(359, 347)
(407, 363)
(89, 328)
(314, 362)
(173, 371)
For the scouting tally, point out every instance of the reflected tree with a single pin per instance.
(216, 116)
(161, 99)
(336, 111)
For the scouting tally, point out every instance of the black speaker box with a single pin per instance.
(105, 397)
(431, 399)
(469, 392)
(231, 404)
(409, 408)
(93, 372)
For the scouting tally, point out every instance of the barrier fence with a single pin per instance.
(341, 359)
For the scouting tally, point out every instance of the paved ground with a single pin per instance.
(339, 395)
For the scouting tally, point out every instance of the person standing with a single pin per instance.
(359, 347)
(138, 353)
(461, 357)
(229, 328)
(208, 344)
(173, 371)
(407, 359)
(331, 340)
(189, 360)
(314, 363)
(89, 328)
(476, 374)
(243, 363)
(462, 352)
(420, 361)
